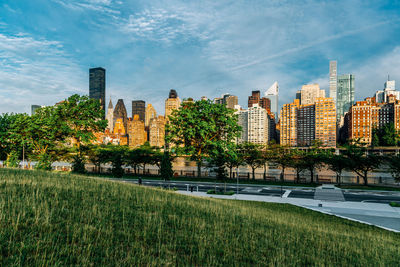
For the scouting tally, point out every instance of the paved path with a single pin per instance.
(380, 215)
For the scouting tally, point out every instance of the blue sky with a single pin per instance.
(196, 47)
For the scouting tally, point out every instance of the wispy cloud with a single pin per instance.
(103, 6)
(35, 71)
(161, 25)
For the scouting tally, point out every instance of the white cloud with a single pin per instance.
(35, 71)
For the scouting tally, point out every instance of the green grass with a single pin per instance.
(50, 219)
(395, 204)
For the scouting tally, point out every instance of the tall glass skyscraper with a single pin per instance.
(97, 85)
(273, 95)
(345, 94)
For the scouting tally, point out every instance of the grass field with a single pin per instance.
(49, 219)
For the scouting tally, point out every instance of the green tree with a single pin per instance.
(336, 163)
(166, 166)
(385, 136)
(252, 155)
(360, 160)
(197, 128)
(393, 163)
(298, 162)
(117, 156)
(81, 117)
(44, 132)
(282, 156)
(234, 158)
(11, 139)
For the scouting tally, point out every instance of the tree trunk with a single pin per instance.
(312, 175)
(199, 168)
(283, 174)
(230, 172)
(365, 177)
(254, 173)
(265, 170)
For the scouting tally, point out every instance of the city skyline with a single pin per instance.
(198, 49)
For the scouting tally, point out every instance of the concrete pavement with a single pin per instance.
(380, 215)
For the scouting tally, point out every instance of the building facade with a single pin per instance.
(344, 94)
(333, 80)
(97, 85)
(157, 131)
(310, 92)
(110, 117)
(171, 103)
(325, 121)
(139, 108)
(256, 99)
(273, 95)
(258, 125)
(288, 124)
(150, 114)
(305, 125)
(136, 132)
(120, 113)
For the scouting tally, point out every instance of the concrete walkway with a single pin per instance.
(380, 215)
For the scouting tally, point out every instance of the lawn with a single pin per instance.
(49, 219)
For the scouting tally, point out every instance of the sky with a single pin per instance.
(199, 48)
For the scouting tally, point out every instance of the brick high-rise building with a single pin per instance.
(325, 121)
(366, 115)
(157, 131)
(136, 132)
(263, 102)
(139, 108)
(300, 125)
(171, 103)
(288, 124)
(97, 85)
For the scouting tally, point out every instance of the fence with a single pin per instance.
(242, 176)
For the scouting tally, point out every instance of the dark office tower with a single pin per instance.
(173, 94)
(139, 108)
(120, 114)
(97, 85)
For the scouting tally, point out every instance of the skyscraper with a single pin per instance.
(310, 92)
(139, 108)
(256, 99)
(150, 114)
(273, 95)
(230, 101)
(171, 103)
(258, 125)
(157, 131)
(333, 79)
(110, 117)
(305, 125)
(120, 114)
(325, 121)
(344, 94)
(136, 132)
(97, 85)
(288, 123)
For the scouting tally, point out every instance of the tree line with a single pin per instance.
(201, 130)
